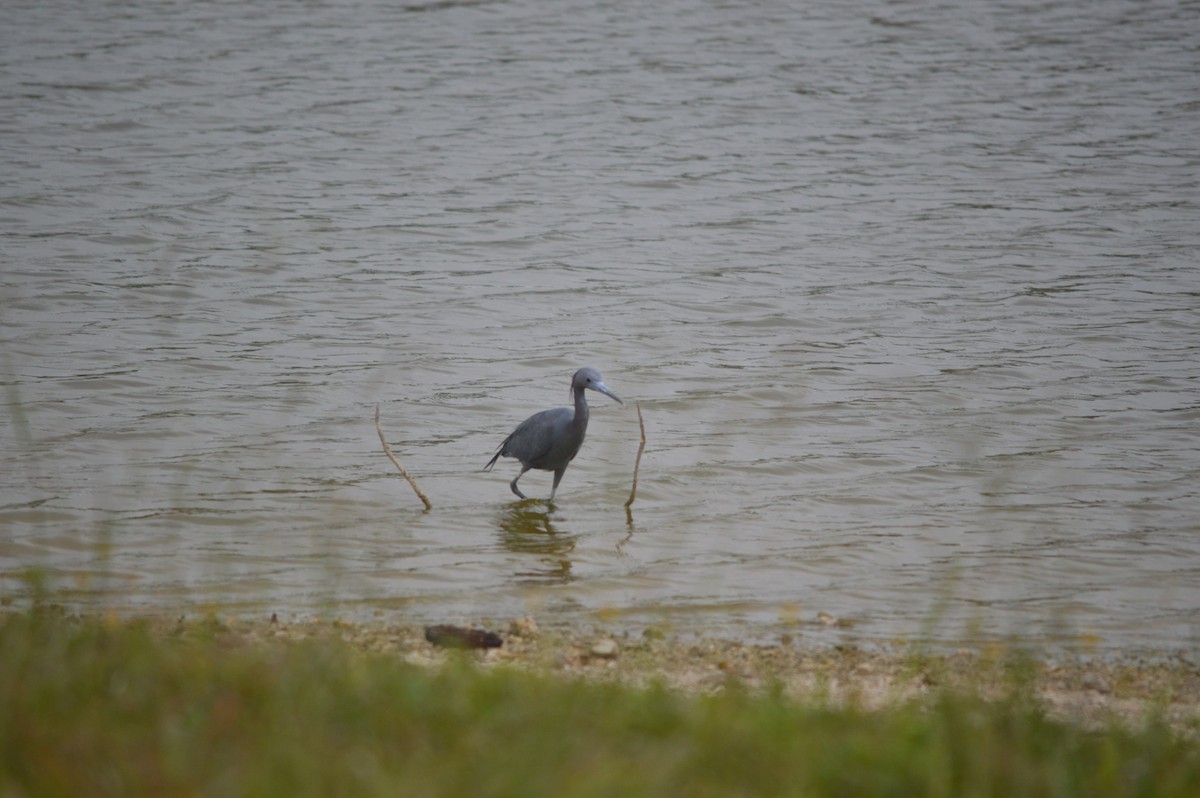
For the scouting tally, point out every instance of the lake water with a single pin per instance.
(909, 294)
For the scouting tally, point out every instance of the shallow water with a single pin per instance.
(908, 295)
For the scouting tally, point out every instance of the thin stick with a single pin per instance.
(388, 451)
(638, 462)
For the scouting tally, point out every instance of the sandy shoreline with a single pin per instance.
(1088, 690)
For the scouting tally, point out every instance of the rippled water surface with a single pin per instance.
(908, 294)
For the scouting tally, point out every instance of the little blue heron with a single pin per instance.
(549, 440)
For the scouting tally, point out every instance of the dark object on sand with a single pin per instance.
(457, 637)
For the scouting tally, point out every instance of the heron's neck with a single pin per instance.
(581, 410)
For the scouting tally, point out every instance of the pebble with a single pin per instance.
(606, 648)
(524, 627)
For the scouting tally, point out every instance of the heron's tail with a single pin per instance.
(492, 462)
(501, 452)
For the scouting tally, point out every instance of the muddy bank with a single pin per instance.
(1084, 689)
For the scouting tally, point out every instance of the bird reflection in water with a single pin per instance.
(526, 529)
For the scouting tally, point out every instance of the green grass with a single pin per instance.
(92, 708)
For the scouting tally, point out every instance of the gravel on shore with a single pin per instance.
(1088, 689)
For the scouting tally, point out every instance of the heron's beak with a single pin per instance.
(602, 388)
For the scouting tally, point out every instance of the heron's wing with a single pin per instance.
(535, 436)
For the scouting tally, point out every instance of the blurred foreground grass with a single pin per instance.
(89, 707)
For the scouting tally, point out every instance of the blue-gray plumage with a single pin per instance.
(549, 440)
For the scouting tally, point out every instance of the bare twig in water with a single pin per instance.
(638, 462)
(388, 451)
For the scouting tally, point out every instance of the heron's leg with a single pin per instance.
(513, 484)
(558, 475)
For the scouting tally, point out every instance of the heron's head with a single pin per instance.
(590, 378)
